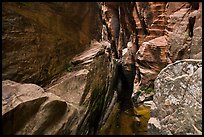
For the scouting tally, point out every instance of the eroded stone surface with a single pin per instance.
(28, 109)
(153, 57)
(178, 98)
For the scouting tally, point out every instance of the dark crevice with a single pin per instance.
(142, 21)
(194, 5)
(125, 85)
(181, 54)
(191, 23)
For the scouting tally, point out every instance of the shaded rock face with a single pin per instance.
(77, 103)
(27, 109)
(40, 38)
(178, 99)
(88, 88)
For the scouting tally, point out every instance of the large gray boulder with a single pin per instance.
(177, 107)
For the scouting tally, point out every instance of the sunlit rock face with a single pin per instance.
(178, 99)
(152, 57)
(38, 39)
(175, 33)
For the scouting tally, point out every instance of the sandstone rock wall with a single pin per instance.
(77, 103)
(40, 38)
(185, 35)
(179, 24)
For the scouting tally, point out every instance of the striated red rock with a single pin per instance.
(179, 22)
(154, 17)
(185, 35)
(152, 57)
(81, 101)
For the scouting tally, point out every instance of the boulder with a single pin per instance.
(27, 109)
(152, 58)
(178, 99)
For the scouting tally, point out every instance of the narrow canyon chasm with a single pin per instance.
(102, 68)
